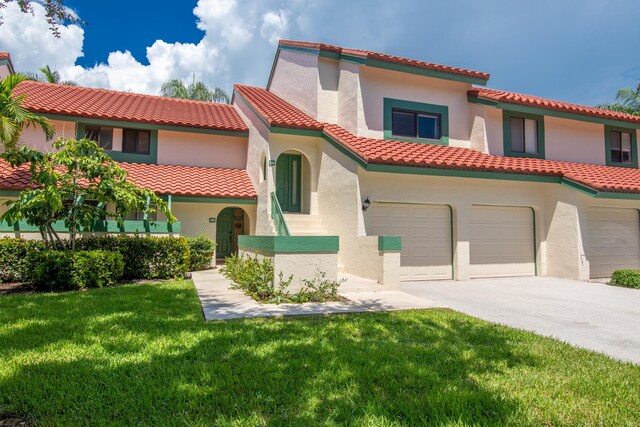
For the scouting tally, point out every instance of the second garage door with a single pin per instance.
(614, 240)
(501, 241)
(426, 237)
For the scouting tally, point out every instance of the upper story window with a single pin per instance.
(136, 141)
(416, 121)
(101, 134)
(413, 124)
(523, 135)
(621, 147)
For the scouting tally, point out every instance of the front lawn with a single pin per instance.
(142, 355)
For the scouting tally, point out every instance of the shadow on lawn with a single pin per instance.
(142, 354)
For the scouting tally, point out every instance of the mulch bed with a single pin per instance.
(14, 288)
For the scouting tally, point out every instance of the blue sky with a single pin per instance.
(578, 51)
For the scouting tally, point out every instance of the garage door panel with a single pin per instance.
(426, 237)
(613, 240)
(501, 241)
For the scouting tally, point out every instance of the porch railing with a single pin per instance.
(278, 217)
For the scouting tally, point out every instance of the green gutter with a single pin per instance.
(290, 244)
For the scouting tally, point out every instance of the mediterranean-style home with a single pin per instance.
(382, 167)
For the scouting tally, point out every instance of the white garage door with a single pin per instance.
(501, 241)
(426, 237)
(614, 240)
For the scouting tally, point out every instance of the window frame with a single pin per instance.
(124, 139)
(118, 155)
(442, 111)
(507, 115)
(98, 141)
(634, 146)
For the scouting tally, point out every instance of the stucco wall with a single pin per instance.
(377, 84)
(198, 149)
(295, 79)
(34, 137)
(195, 217)
(4, 71)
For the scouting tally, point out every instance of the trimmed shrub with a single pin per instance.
(16, 258)
(201, 249)
(63, 270)
(626, 278)
(144, 257)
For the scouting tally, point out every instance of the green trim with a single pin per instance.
(386, 65)
(9, 193)
(598, 194)
(110, 226)
(551, 113)
(506, 134)
(421, 107)
(140, 125)
(119, 156)
(634, 147)
(299, 132)
(290, 244)
(346, 151)
(389, 243)
(225, 200)
(8, 63)
(279, 221)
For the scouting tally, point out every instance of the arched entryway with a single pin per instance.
(231, 223)
(293, 181)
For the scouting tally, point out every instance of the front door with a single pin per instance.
(224, 233)
(288, 169)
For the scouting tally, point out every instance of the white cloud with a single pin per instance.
(234, 30)
(28, 38)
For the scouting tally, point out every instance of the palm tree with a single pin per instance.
(627, 101)
(14, 117)
(196, 91)
(49, 76)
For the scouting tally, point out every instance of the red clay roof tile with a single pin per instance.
(162, 179)
(549, 104)
(388, 58)
(276, 111)
(131, 107)
(389, 152)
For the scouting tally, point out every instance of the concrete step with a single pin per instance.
(305, 225)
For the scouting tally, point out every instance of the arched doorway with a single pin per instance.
(231, 223)
(293, 181)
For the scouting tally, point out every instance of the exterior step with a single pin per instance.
(304, 225)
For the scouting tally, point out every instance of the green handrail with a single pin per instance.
(278, 217)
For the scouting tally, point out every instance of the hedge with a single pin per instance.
(626, 278)
(144, 257)
(64, 270)
(201, 250)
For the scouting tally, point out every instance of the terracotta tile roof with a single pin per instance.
(163, 179)
(4, 55)
(132, 107)
(388, 152)
(549, 104)
(387, 58)
(276, 111)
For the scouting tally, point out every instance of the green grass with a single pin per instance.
(142, 355)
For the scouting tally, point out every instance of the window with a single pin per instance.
(102, 135)
(416, 121)
(136, 141)
(621, 147)
(413, 124)
(523, 134)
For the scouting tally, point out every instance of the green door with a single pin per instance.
(224, 233)
(288, 171)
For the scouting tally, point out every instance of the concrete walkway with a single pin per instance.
(594, 316)
(220, 302)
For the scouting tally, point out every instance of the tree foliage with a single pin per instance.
(627, 101)
(78, 183)
(14, 117)
(196, 91)
(55, 11)
(50, 76)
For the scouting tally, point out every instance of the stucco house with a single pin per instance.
(378, 166)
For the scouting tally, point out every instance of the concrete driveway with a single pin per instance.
(589, 315)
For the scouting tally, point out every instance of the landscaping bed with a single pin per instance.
(142, 355)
